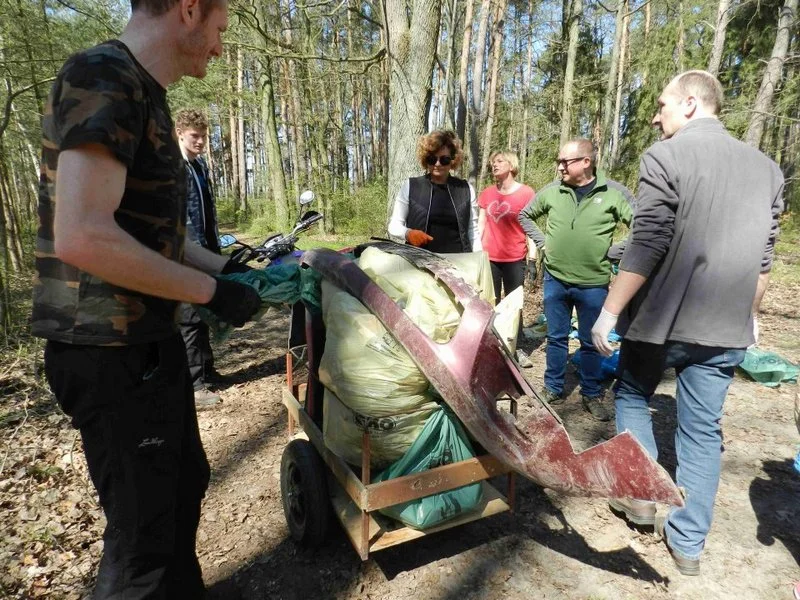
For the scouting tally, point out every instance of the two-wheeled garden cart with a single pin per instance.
(480, 381)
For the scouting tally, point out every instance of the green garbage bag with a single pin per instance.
(768, 368)
(442, 441)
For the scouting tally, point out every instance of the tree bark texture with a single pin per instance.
(604, 147)
(497, 48)
(772, 74)
(412, 47)
(723, 16)
(463, 77)
(569, 74)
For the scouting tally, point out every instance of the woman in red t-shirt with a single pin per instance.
(501, 234)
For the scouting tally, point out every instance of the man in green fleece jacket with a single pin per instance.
(582, 211)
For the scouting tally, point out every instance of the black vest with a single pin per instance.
(420, 192)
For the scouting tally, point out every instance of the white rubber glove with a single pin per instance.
(755, 332)
(602, 327)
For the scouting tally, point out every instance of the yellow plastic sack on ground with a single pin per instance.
(390, 435)
(369, 372)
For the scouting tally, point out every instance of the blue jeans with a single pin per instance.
(704, 374)
(559, 300)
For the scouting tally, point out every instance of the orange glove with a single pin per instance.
(417, 238)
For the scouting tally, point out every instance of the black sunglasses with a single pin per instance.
(431, 160)
(568, 161)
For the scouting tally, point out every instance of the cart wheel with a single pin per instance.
(304, 492)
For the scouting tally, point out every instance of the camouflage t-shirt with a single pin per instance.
(103, 96)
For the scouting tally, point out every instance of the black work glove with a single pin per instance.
(233, 266)
(233, 302)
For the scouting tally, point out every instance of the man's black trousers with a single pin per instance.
(198, 345)
(134, 407)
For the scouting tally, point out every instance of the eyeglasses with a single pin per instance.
(565, 162)
(431, 160)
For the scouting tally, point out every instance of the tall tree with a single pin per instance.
(721, 26)
(477, 102)
(497, 49)
(772, 74)
(463, 77)
(567, 99)
(604, 145)
(412, 39)
(613, 153)
(526, 97)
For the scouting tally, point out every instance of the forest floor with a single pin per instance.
(552, 547)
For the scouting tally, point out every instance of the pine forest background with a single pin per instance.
(332, 95)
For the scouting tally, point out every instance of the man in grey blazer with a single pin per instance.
(690, 283)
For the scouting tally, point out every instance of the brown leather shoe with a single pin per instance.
(686, 566)
(639, 512)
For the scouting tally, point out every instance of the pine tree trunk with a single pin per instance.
(477, 108)
(648, 15)
(719, 37)
(497, 48)
(526, 96)
(463, 77)
(240, 152)
(772, 74)
(680, 46)
(448, 118)
(615, 124)
(277, 180)
(569, 73)
(604, 145)
(237, 201)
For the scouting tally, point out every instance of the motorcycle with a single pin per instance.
(277, 246)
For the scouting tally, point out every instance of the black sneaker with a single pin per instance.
(596, 406)
(551, 397)
(205, 398)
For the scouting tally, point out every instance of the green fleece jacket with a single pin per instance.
(578, 235)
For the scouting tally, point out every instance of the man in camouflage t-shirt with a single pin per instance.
(111, 267)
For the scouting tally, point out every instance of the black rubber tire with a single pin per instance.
(304, 493)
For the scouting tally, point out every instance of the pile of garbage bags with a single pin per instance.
(372, 383)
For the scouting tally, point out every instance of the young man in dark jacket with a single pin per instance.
(201, 227)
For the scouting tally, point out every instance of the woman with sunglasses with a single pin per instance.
(437, 210)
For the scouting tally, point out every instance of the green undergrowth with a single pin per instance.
(786, 266)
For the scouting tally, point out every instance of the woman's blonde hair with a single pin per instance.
(430, 144)
(510, 157)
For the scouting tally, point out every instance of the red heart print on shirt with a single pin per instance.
(498, 209)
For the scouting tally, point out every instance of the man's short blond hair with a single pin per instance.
(703, 86)
(190, 118)
(510, 157)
